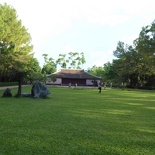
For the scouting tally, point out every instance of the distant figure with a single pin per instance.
(122, 85)
(70, 85)
(105, 85)
(75, 85)
(111, 85)
(100, 88)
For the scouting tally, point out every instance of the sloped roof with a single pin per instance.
(74, 74)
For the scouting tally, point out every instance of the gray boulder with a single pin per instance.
(39, 90)
(7, 93)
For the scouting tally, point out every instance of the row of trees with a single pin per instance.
(73, 60)
(134, 65)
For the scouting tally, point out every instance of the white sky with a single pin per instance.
(90, 26)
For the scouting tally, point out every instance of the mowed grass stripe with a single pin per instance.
(79, 121)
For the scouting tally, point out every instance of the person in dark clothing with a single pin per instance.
(100, 88)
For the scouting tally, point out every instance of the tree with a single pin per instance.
(71, 60)
(127, 65)
(5, 59)
(73, 57)
(53, 78)
(97, 71)
(62, 60)
(109, 73)
(135, 64)
(124, 54)
(15, 47)
(34, 72)
(83, 60)
(49, 65)
(145, 47)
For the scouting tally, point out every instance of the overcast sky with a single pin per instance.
(90, 26)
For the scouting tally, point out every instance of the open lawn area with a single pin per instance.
(78, 122)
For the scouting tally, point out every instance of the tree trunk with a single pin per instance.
(19, 88)
(20, 76)
(0, 77)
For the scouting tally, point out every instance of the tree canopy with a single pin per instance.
(73, 60)
(15, 45)
(49, 65)
(134, 65)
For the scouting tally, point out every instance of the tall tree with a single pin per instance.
(83, 60)
(73, 58)
(15, 45)
(49, 65)
(109, 73)
(126, 64)
(136, 64)
(145, 47)
(97, 71)
(35, 72)
(62, 60)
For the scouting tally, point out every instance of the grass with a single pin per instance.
(79, 122)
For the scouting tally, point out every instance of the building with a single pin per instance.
(73, 77)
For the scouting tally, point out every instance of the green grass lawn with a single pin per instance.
(79, 122)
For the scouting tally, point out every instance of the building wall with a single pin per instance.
(59, 81)
(90, 82)
(79, 82)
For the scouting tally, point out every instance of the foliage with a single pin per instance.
(74, 60)
(136, 64)
(62, 60)
(15, 47)
(49, 65)
(107, 73)
(81, 121)
(97, 71)
(34, 72)
(53, 78)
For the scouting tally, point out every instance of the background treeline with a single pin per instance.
(134, 65)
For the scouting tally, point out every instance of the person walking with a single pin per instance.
(100, 88)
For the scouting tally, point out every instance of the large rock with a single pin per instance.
(39, 90)
(7, 93)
